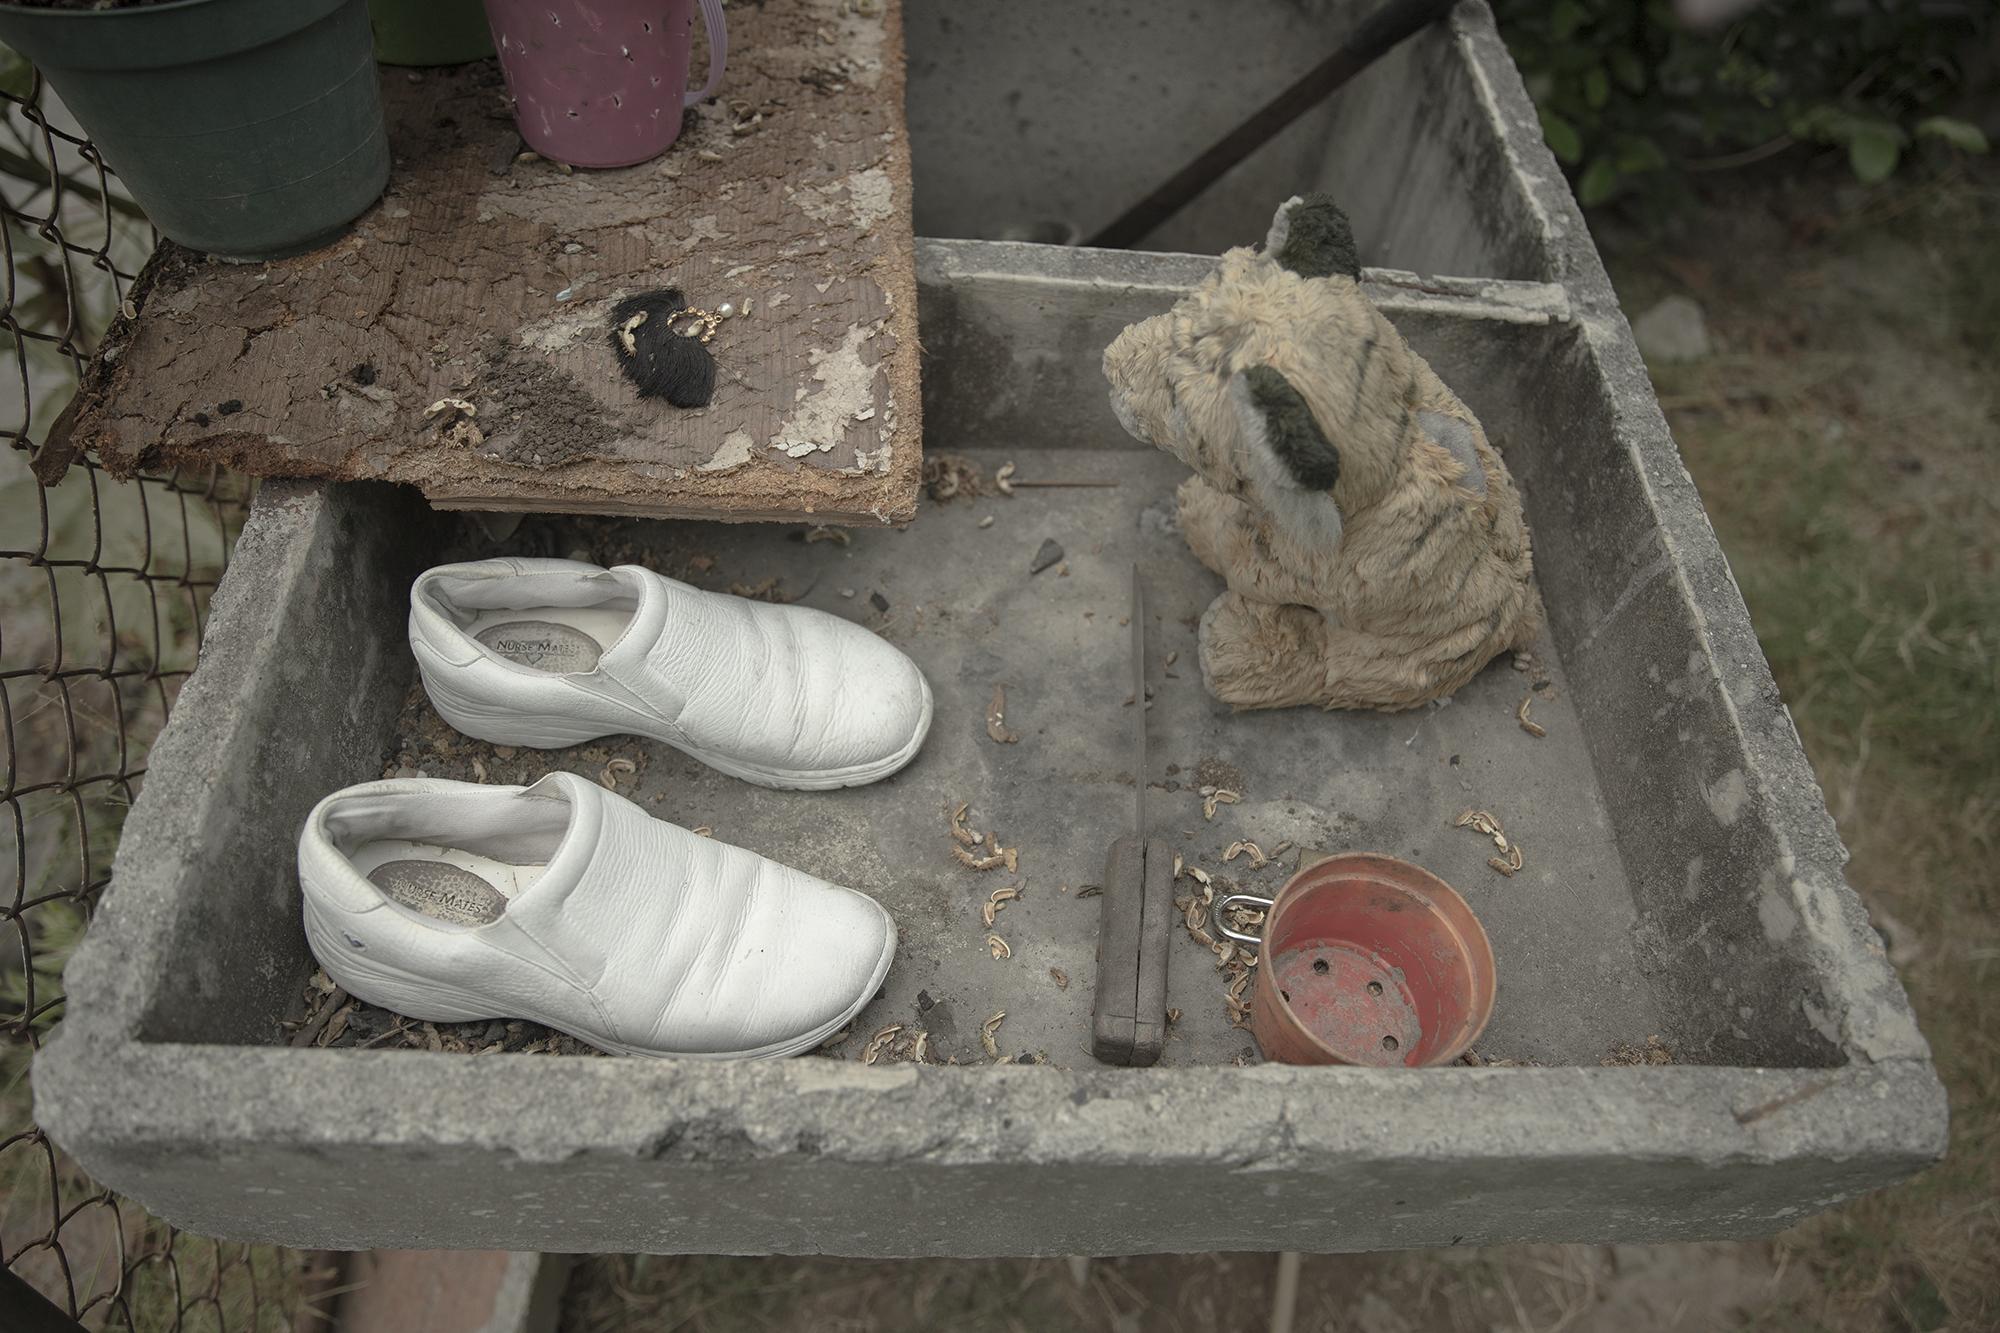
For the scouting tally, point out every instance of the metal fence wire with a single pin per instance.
(104, 587)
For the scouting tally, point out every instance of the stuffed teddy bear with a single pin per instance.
(1370, 536)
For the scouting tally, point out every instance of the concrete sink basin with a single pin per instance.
(1683, 880)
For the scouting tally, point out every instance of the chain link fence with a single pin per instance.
(104, 587)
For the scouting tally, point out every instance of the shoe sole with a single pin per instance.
(427, 1001)
(544, 732)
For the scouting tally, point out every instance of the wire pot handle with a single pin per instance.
(1256, 900)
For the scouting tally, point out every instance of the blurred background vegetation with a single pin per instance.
(1635, 100)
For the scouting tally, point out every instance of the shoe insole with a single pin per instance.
(446, 884)
(561, 640)
(439, 890)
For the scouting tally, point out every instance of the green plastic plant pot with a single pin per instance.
(430, 32)
(245, 128)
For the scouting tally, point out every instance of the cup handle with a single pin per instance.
(1241, 900)
(718, 50)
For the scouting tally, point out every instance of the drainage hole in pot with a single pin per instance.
(1390, 1043)
(1287, 994)
(1374, 988)
(572, 114)
(647, 26)
(1320, 966)
(616, 100)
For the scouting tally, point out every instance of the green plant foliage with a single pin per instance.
(1957, 133)
(1630, 100)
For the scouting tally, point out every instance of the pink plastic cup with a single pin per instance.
(602, 83)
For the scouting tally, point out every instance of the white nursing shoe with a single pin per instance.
(567, 905)
(550, 653)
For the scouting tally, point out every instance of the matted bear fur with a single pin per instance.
(1370, 536)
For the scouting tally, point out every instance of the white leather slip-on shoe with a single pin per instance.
(552, 653)
(567, 905)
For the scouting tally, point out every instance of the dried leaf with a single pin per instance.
(822, 533)
(1484, 822)
(335, 1025)
(1529, 725)
(615, 769)
(1654, 1052)
(1003, 479)
(949, 476)
(1214, 796)
(998, 947)
(879, 1043)
(967, 837)
(1257, 858)
(836, 1039)
(764, 591)
(1000, 856)
(987, 1031)
(1060, 977)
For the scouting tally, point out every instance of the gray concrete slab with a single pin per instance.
(1684, 876)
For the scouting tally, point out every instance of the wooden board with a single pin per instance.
(490, 279)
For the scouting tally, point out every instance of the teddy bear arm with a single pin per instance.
(1236, 540)
(1259, 655)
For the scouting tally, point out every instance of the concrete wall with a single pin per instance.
(1072, 110)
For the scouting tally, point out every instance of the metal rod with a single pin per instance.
(1376, 36)
(1285, 1293)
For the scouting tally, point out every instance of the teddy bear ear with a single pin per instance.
(1277, 414)
(1311, 237)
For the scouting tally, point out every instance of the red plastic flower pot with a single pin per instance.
(1367, 960)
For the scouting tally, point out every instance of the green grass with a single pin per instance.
(1859, 504)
